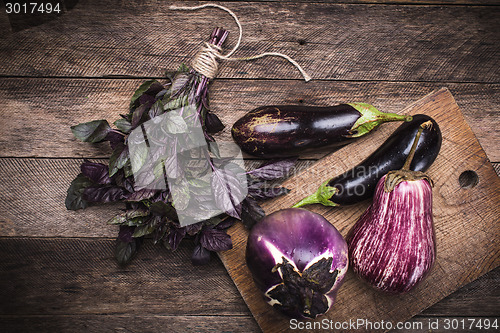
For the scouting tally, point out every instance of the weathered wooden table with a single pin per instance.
(57, 267)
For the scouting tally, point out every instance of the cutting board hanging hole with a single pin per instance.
(468, 179)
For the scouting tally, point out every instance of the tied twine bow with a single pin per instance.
(205, 61)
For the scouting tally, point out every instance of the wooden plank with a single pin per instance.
(139, 323)
(45, 277)
(331, 41)
(394, 2)
(32, 198)
(196, 324)
(37, 113)
(28, 184)
(78, 276)
(466, 301)
(466, 223)
(83, 268)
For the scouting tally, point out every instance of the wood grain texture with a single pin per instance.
(80, 276)
(37, 112)
(465, 299)
(32, 194)
(85, 64)
(73, 284)
(393, 2)
(466, 223)
(32, 201)
(126, 323)
(331, 41)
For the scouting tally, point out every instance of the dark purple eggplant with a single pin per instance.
(359, 183)
(298, 260)
(392, 246)
(289, 130)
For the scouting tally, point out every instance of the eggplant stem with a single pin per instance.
(409, 159)
(395, 177)
(370, 118)
(321, 196)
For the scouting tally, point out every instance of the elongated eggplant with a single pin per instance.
(392, 246)
(359, 183)
(289, 130)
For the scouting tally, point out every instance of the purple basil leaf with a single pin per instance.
(103, 193)
(160, 230)
(146, 178)
(173, 165)
(251, 213)
(125, 233)
(93, 131)
(115, 138)
(146, 100)
(143, 194)
(180, 83)
(225, 224)
(137, 116)
(123, 125)
(96, 172)
(175, 237)
(122, 181)
(227, 191)
(74, 197)
(215, 239)
(213, 123)
(161, 94)
(201, 256)
(143, 88)
(193, 229)
(156, 109)
(252, 183)
(274, 169)
(160, 208)
(125, 251)
(262, 193)
(143, 230)
(118, 158)
(154, 88)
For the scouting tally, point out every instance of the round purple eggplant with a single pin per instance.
(289, 130)
(298, 260)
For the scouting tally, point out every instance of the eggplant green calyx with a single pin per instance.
(321, 196)
(395, 177)
(304, 290)
(371, 118)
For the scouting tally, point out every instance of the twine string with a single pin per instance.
(205, 60)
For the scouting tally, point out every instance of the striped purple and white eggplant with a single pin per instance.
(298, 260)
(392, 245)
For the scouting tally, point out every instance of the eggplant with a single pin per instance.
(358, 184)
(392, 246)
(298, 260)
(289, 130)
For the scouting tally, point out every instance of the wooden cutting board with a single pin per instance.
(466, 219)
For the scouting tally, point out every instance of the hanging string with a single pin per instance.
(205, 61)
